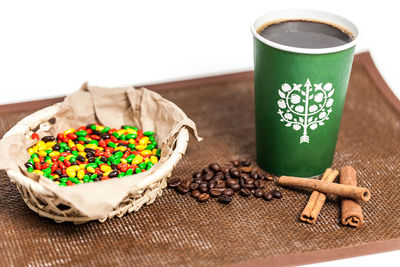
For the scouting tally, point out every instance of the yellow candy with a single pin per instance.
(138, 159)
(57, 182)
(50, 144)
(54, 154)
(40, 143)
(38, 172)
(83, 154)
(131, 131)
(146, 160)
(68, 157)
(74, 168)
(144, 140)
(72, 130)
(56, 176)
(123, 160)
(80, 174)
(82, 166)
(122, 131)
(36, 160)
(92, 146)
(121, 148)
(80, 147)
(99, 128)
(154, 151)
(42, 153)
(106, 173)
(30, 151)
(131, 141)
(90, 169)
(153, 159)
(70, 172)
(140, 147)
(146, 152)
(71, 143)
(105, 168)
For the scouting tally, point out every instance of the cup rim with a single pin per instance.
(306, 14)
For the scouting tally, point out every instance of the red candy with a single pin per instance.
(35, 136)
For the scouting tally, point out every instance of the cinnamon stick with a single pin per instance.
(348, 191)
(351, 211)
(317, 199)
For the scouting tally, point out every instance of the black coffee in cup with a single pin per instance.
(305, 34)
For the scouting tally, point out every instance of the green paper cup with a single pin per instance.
(299, 97)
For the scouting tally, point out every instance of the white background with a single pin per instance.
(49, 48)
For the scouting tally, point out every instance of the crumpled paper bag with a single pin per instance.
(112, 107)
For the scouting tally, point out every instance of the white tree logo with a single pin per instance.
(305, 108)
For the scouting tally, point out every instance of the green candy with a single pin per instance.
(149, 165)
(98, 161)
(151, 138)
(118, 155)
(62, 184)
(148, 133)
(48, 151)
(30, 169)
(122, 137)
(61, 158)
(105, 130)
(121, 174)
(82, 138)
(130, 158)
(116, 161)
(93, 176)
(131, 136)
(93, 127)
(111, 158)
(34, 155)
(150, 147)
(72, 159)
(74, 180)
(86, 179)
(94, 142)
(51, 177)
(138, 170)
(86, 176)
(61, 150)
(63, 180)
(47, 158)
(81, 133)
(129, 172)
(142, 165)
(31, 161)
(75, 153)
(132, 146)
(112, 144)
(125, 127)
(158, 153)
(116, 135)
(64, 145)
(93, 165)
(134, 128)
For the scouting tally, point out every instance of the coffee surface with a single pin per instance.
(305, 34)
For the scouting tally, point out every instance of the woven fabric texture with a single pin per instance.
(176, 230)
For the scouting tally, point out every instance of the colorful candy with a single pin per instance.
(93, 153)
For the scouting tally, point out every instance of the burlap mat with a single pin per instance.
(177, 230)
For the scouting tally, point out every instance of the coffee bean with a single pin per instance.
(174, 182)
(259, 193)
(230, 182)
(228, 192)
(195, 193)
(198, 180)
(246, 169)
(259, 183)
(218, 177)
(212, 184)
(227, 175)
(220, 184)
(254, 174)
(207, 170)
(225, 199)
(236, 162)
(249, 186)
(245, 176)
(203, 188)
(214, 192)
(186, 182)
(235, 187)
(203, 197)
(268, 196)
(249, 181)
(276, 193)
(234, 173)
(183, 189)
(224, 169)
(197, 175)
(208, 176)
(193, 186)
(246, 162)
(245, 192)
(214, 167)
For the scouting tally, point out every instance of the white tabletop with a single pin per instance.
(49, 48)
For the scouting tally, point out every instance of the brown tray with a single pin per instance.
(177, 230)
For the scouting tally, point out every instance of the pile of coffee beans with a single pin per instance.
(223, 181)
